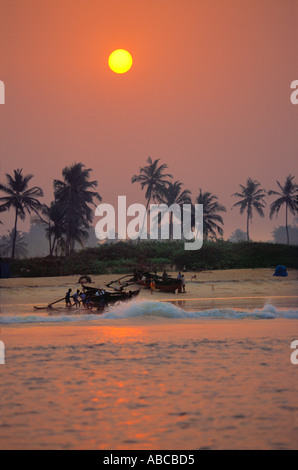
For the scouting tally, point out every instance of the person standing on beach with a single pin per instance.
(76, 298)
(102, 299)
(152, 286)
(83, 298)
(67, 298)
(179, 277)
(183, 282)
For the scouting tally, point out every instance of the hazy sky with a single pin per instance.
(208, 93)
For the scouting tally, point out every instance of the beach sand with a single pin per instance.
(210, 370)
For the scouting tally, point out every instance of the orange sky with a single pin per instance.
(209, 93)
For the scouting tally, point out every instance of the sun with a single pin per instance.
(120, 61)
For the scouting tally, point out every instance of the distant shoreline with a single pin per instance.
(122, 258)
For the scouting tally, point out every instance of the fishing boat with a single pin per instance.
(99, 296)
(164, 284)
(144, 278)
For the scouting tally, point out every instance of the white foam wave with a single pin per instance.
(156, 309)
(168, 310)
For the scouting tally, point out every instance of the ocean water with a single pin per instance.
(148, 374)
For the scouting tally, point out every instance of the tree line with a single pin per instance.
(68, 217)
(161, 188)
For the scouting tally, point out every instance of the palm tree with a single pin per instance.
(74, 195)
(211, 218)
(171, 194)
(52, 218)
(152, 178)
(6, 243)
(288, 195)
(21, 198)
(252, 197)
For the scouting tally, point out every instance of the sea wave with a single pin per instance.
(169, 310)
(155, 309)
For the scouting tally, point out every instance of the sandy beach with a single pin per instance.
(206, 369)
(235, 287)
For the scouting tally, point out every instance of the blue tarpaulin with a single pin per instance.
(280, 270)
(4, 269)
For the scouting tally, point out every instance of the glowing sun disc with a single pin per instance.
(120, 61)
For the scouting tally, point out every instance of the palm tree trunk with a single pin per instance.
(147, 205)
(287, 229)
(50, 238)
(53, 246)
(171, 227)
(14, 235)
(247, 226)
(67, 244)
(67, 247)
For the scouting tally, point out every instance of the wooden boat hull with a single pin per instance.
(169, 284)
(109, 297)
(162, 286)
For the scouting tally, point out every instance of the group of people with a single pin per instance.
(80, 297)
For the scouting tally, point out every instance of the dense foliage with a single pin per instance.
(124, 257)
